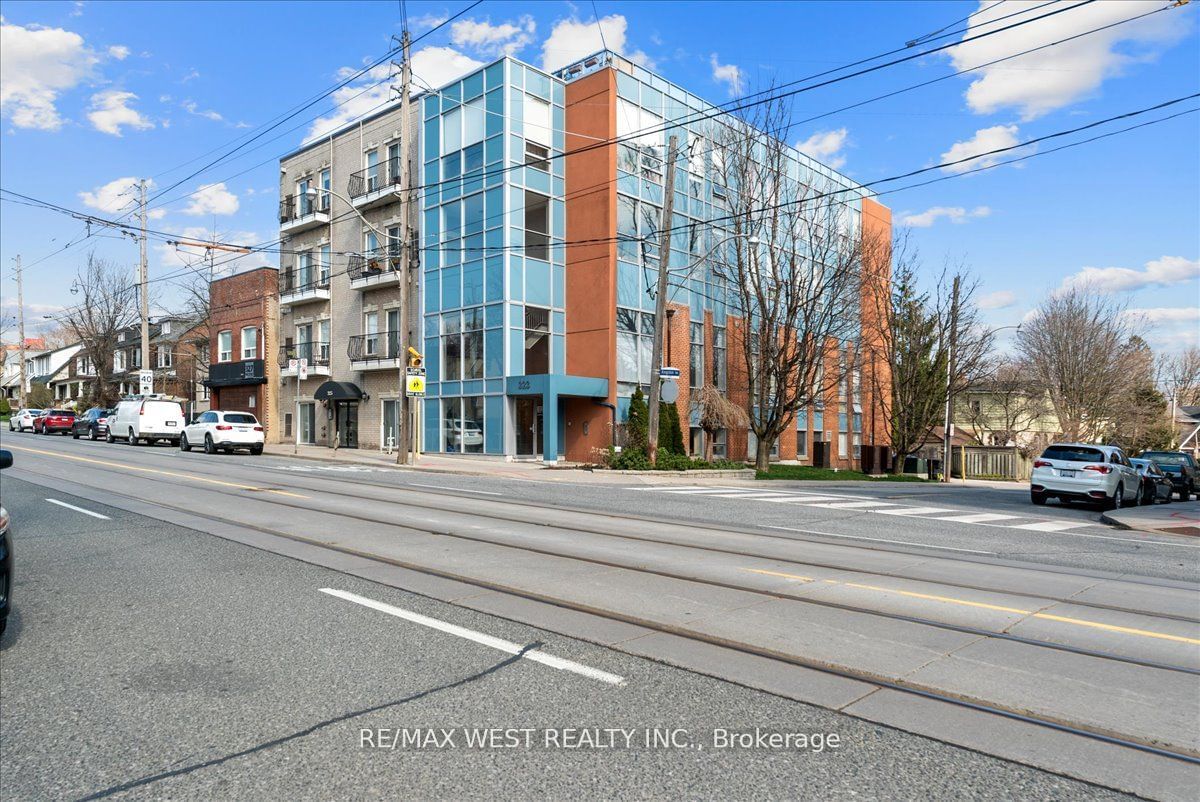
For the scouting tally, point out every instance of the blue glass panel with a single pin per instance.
(473, 213)
(431, 106)
(493, 424)
(495, 208)
(537, 282)
(558, 354)
(818, 421)
(433, 425)
(432, 174)
(802, 421)
(473, 247)
(559, 186)
(537, 180)
(473, 158)
(451, 388)
(494, 242)
(516, 74)
(516, 279)
(432, 138)
(451, 95)
(474, 387)
(516, 316)
(516, 351)
(473, 283)
(493, 315)
(516, 106)
(452, 221)
(560, 93)
(559, 289)
(627, 86)
(493, 149)
(493, 352)
(537, 84)
(433, 224)
(629, 285)
(451, 190)
(516, 149)
(558, 322)
(627, 184)
(473, 85)
(494, 385)
(493, 178)
(558, 218)
(451, 288)
(494, 281)
(432, 358)
(494, 109)
(431, 325)
(556, 119)
(623, 402)
(494, 75)
(433, 297)
(432, 389)
(516, 236)
(432, 257)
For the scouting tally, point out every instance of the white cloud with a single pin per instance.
(110, 111)
(212, 199)
(37, 65)
(1169, 327)
(985, 140)
(824, 146)
(119, 52)
(955, 214)
(571, 39)
(1000, 299)
(118, 197)
(434, 66)
(507, 38)
(191, 107)
(191, 75)
(728, 74)
(1162, 272)
(1049, 79)
(427, 21)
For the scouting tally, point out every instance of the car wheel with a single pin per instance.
(92, 434)
(1113, 502)
(133, 440)
(1149, 494)
(256, 450)
(1185, 494)
(108, 437)
(209, 448)
(1037, 498)
(184, 445)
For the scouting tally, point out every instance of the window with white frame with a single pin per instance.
(165, 358)
(118, 361)
(250, 342)
(696, 355)
(635, 343)
(537, 121)
(165, 327)
(225, 346)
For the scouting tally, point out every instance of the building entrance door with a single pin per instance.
(529, 427)
(346, 419)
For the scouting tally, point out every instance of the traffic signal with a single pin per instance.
(415, 360)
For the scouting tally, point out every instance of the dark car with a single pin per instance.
(6, 558)
(54, 421)
(1180, 467)
(1156, 485)
(92, 424)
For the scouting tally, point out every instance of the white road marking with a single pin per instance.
(855, 505)
(879, 540)
(979, 517)
(456, 489)
(914, 511)
(1049, 526)
(753, 495)
(804, 499)
(478, 637)
(78, 509)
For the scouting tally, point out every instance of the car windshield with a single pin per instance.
(1167, 458)
(239, 417)
(1074, 454)
(59, 412)
(34, 411)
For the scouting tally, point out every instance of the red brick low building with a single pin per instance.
(243, 373)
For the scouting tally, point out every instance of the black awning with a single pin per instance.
(338, 391)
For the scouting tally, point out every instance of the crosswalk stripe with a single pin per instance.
(1048, 526)
(764, 496)
(854, 505)
(802, 499)
(914, 511)
(979, 518)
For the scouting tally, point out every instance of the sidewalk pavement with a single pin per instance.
(471, 465)
(1168, 519)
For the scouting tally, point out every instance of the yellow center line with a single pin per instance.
(968, 603)
(124, 466)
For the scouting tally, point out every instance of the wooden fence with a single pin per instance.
(986, 462)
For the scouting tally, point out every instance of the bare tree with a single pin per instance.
(1179, 377)
(1079, 345)
(913, 344)
(1007, 406)
(715, 412)
(107, 303)
(793, 270)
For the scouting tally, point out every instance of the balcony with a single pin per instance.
(299, 213)
(380, 351)
(316, 353)
(302, 286)
(376, 185)
(380, 267)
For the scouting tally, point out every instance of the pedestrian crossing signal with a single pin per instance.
(415, 359)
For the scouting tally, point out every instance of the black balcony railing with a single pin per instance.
(295, 207)
(316, 353)
(384, 345)
(300, 280)
(376, 177)
(373, 263)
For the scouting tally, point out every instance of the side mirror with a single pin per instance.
(6, 459)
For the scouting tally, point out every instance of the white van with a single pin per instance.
(146, 419)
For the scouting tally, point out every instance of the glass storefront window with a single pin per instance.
(462, 425)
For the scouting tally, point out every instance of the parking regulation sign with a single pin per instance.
(414, 382)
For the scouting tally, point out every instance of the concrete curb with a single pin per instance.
(1180, 518)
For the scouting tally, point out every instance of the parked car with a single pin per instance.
(225, 431)
(54, 421)
(22, 419)
(462, 433)
(145, 419)
(1180, 467)
(1156, 485)
(1082, 472)
(6, 555)
(92, 424)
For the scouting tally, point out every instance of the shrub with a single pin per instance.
(5, 409)
(670, 436)
(632, 459)
(638, 424)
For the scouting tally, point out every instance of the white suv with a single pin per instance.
(22, 419)
(144, 419)
(1081, 472)
(223, 430)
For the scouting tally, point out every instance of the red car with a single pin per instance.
(54, 420)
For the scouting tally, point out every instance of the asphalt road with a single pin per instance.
(970, 594)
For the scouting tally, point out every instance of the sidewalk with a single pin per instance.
(1168, 519)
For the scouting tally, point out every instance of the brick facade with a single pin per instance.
(248, 300)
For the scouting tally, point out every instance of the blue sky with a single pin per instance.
(95, 94)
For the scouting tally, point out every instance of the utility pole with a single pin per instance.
(947, 454)
(21, 329)
(143, 284)
(660, 298)
(405, 254)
